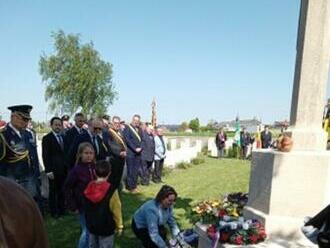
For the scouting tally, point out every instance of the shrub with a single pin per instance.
(233, 152)
(183, 165)
(198, 160)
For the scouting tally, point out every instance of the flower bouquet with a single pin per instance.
(226, 223)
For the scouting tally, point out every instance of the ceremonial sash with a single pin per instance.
(117, 137)
(14, 156)
(135, 133)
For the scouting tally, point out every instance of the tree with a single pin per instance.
(194, 124)
(76, 77)
(183, 127)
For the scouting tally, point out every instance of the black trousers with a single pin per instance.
(320, 219)
(145, 172)
(56, 196)
(116, 172)
(143, 235)
(133, 167)
(157, 172)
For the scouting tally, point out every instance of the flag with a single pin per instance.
(237, 137)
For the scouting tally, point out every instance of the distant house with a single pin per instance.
(251, 125)
(281, 124)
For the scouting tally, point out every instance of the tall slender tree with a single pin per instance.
(76, 77)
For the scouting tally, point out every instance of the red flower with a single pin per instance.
(211, 229)
(253, 239)
(224, 236)
(222, 213)
(262, 234)
(238, 240)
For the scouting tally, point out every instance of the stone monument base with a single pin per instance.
(286, 187)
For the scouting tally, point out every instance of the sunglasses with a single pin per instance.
(23, 118)
(97, 128)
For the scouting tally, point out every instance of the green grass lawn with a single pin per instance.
(200, 182)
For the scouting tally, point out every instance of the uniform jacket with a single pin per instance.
(14, 154)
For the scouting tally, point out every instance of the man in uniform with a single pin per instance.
(117, 152)
(16, 154)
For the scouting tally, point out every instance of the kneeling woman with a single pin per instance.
(150, 219)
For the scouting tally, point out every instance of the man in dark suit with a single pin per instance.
(66, 124)
(266, 138)
(93, 135)
(147, 154)
(132, 135)
(54, 162)
(74, 131)
(117, 152)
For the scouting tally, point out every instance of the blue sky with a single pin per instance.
(206, 59)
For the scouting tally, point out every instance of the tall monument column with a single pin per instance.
(311, 73)
(286, 187)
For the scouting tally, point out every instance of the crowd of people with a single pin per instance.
(84, 165)
(262, 140)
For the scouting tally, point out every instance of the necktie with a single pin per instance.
(96, 144)
(60, 140)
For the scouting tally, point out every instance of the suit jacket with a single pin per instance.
(53, 155)
(160, 147)
(100, 154)
(132, 140)
(116, 147)
(220, 143)
(70, 136)
(148, 147)
(266, 139)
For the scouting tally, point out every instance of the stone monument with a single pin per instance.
(153, 113)
(286, 187)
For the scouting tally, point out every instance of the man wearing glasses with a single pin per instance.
(16, 156)
(94, 136)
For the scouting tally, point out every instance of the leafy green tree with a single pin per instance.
(76, 77)
(194, 124)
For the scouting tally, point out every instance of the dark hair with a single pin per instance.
(106, 117)
(65, 118)
(116, 117)
(136, 115)
(55, 118)
(164, 192)
(102, 168)
(79, 115)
